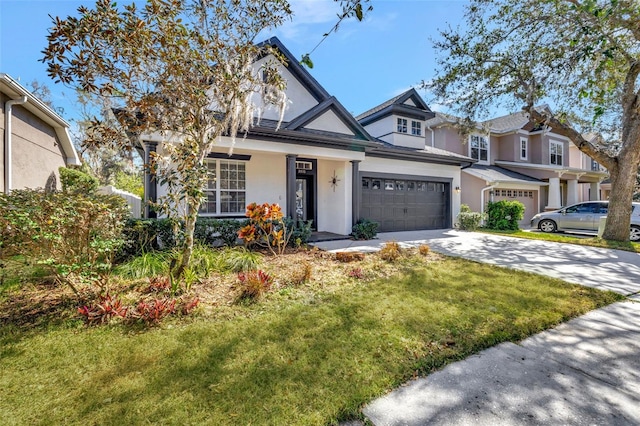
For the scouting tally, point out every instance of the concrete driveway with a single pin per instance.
(606, 269)
(583, 372)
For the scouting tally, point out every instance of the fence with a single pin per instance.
(134, 202)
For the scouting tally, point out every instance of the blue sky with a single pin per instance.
(363, 64)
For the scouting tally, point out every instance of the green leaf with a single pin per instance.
(306, 61)
(358, 10)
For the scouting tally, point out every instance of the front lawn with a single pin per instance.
(569, 239)
(305, 354)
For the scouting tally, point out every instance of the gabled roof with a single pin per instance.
(326, 102)
(499, 125)
(409, 104)
(15, 90)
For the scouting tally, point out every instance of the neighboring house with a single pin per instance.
(36, 140)
(323, 165)
(517, 160)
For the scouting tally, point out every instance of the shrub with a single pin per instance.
(365, 229)
(215, 232)
(424, 249)
(299, 230)
(301, 274)
(103, 311)
(390, 252)
(254, 283)
(74, 235)
(468, 220)
(349, 256)
(76, 181)
(158, 285)
(504, 215)
(266, 228)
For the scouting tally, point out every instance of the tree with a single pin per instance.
(179, 69)
(583, 56)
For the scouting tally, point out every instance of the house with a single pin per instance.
(518, 160)
(323, 165)
(36, 140)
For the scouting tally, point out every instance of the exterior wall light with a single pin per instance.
(458, 190)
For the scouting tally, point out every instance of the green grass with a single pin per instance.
(284, 361)
(569, 239)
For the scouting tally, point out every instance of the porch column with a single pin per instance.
(554, 202)
(572, 191)
(150, 184)
(356, 186)
(291, 186)
(594, 191)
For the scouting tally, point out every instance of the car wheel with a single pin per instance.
(634, 235)
(547, 225)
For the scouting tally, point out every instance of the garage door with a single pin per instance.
(405, 204)
(528, 198)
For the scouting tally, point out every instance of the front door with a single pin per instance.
(305, 198)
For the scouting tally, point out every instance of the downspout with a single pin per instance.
(432, 137)
(482, 199)
(8, 106)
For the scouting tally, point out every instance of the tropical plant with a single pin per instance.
(254, 284)
(266, 228)
(581, 55)
(365, 229)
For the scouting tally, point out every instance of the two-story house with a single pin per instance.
(322, 165)
(519, 160)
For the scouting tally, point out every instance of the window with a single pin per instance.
(555, 153)
(225, 191)
(402, 125)
(595, 166)
(416, 128)
(479, 148)
(523, 148)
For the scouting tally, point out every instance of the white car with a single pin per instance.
(583, 217)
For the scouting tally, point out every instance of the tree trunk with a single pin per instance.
(623, 178)
(187, 248)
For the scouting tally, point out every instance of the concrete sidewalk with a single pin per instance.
(585, 371)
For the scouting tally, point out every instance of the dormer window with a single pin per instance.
(416, 128)
(523, 148)
(402, 125)
(479, 148)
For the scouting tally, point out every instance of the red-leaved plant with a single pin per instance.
(153, 311)
(103, 311)
(254, 283)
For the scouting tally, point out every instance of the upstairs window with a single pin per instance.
(479, 148)
(595, 166)
(523, 148)
(402, 125)
(556, 153)
(416, 128)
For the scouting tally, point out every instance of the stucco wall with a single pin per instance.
(334, 205)
(299, 99)
(449, 139)
(36, 151)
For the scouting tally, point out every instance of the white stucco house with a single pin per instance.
(324, 165)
